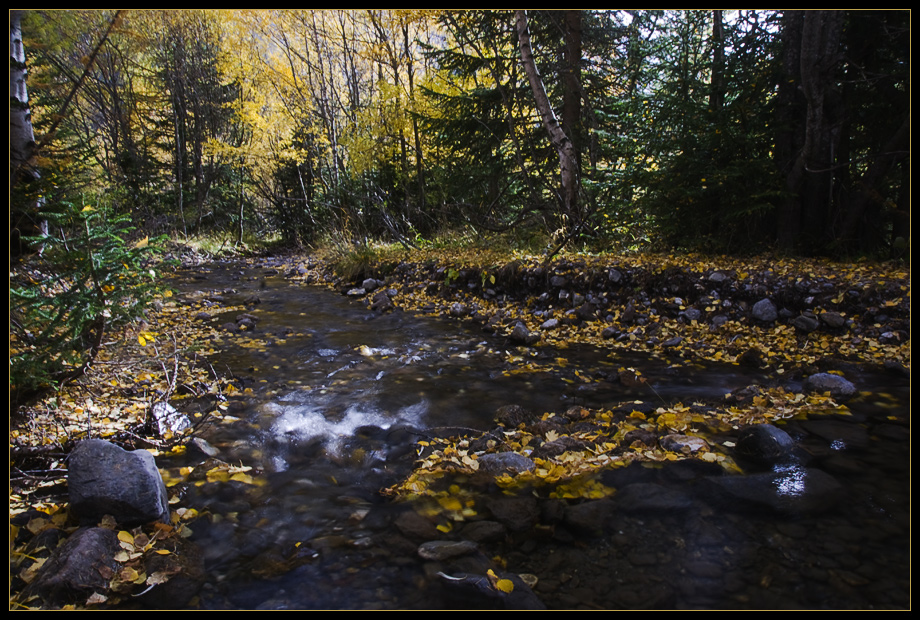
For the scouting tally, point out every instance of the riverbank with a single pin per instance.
(764, 311)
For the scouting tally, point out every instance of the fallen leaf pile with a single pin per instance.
(448, 472)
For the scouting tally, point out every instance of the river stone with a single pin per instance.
(788, 490)
(557, 447)
(764, 310)
(107, 480)
(169, 421)
(474, 591)
(764, 444)
(652, 498)
(521, 335)
(484, 531)
(592, 516)
(187, 572)
(805, 323)
(512, 416)
(369, 284)
(81, 566)
(838, 387)
(840, 435)
(515, 513)
(415, 526)
(833, 319)
(445, 549)
(505, 462)
(458, 309)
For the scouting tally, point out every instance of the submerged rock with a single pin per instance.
(439, 550)
(788, 490)
(487, 592)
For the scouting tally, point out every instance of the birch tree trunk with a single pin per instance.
(22, 136)
(24, 214)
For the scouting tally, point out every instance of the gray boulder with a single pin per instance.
(838, 387)
(78, 568)
(764, 444)
(107, 480)
(764, 310)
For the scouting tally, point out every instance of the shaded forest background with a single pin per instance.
(727, 131)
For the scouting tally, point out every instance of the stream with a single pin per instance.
(334, 397)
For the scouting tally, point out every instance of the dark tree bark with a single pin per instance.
(813, 39)
(717, 80)
(565, 148)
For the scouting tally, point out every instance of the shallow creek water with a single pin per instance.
(339, 395)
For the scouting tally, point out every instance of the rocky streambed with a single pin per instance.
(425, 436)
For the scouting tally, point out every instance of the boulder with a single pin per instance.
(838, 387)
(787, 490)
(764, 444)
(764, 310)
(80, 567)
(498, 463)
(107, 480)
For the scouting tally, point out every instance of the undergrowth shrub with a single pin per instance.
(87, 280)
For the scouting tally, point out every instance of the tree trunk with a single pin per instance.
(568, 160)
(24, 206)
(22, 136)
(717, 80)
(810, 179)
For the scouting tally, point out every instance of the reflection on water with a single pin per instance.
(790, 481)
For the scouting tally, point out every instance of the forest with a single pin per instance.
(717, 130)
(655, 158)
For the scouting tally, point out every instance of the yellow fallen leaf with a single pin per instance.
(502, 585)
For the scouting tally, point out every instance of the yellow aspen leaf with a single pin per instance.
(241, 477)
(502, 585)
(450, 503)
(126, 537)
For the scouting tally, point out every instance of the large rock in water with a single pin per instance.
(838, 387)
(787, 490)
(107, 480)
(764, 445)
(79, 567)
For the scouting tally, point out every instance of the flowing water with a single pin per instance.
(337, 397)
